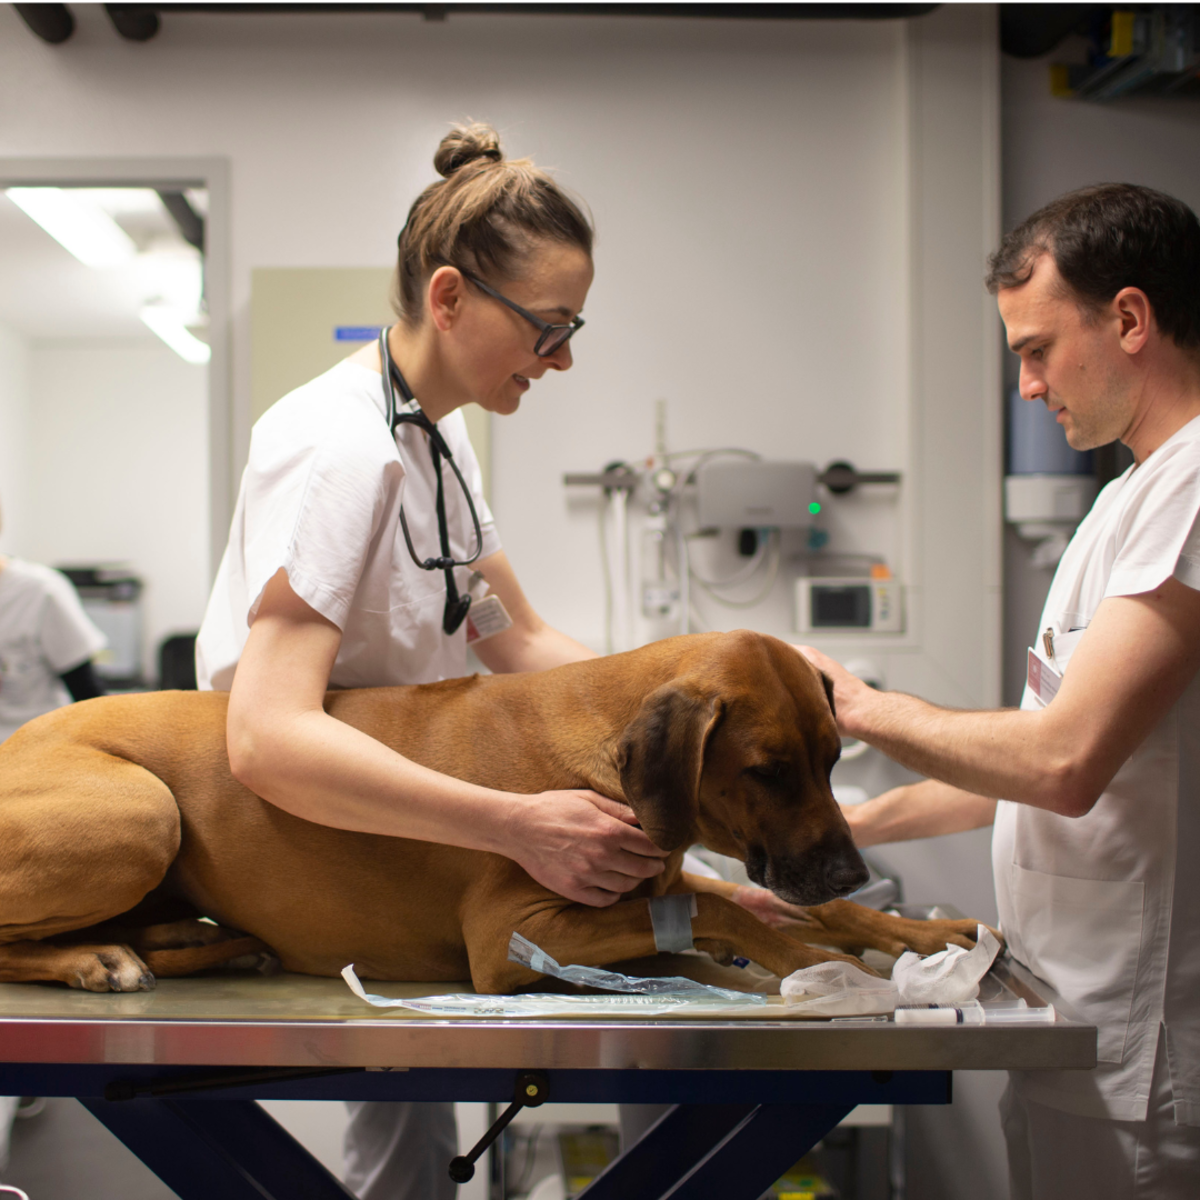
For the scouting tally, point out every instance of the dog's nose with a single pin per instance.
(846, 873)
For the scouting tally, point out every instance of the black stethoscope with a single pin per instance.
(455, 612)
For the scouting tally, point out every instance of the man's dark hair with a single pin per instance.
(1108, 237)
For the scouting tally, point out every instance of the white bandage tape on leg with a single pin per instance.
(671, 917)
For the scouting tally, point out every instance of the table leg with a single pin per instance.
(760, 1150)
(667, 1151)
(227, 1148)
(697, 1151)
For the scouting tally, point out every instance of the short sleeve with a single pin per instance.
(313, 507)
(1157, 536)
(68, 638)
(1187, 567)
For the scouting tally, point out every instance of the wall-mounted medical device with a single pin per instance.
(723, 526)
(748, 494)
(1050, 486)
(853, 605)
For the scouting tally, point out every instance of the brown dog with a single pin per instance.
(127, 803)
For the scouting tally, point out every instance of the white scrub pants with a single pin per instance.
(397, 1150)
(8, 1110)
(1055, 1155)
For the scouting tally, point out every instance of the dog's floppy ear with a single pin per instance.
(661, 756)
(828, 685)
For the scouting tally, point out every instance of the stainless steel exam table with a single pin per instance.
(174, 1074)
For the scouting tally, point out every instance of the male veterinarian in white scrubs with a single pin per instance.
(1096, 847)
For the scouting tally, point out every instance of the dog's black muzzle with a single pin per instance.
(825, 872)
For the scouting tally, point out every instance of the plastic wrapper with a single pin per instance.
(537, 1004)
(523, 951)
(949, 977)
(641, 997)
(837, 989)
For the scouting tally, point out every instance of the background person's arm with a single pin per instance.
(917, 810)
(82, 681)
(284, 747)
(1131, 665)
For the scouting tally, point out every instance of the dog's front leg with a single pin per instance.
(842, 924)
(854, 927)
(594, 937)
(727, 930)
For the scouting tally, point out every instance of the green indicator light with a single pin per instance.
(814, 508)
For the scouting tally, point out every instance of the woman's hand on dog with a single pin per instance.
(582, 845)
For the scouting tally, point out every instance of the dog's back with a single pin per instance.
(155, 769)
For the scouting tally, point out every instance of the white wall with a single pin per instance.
(751, 183)
(747, 181)
(14, 435)
(117, 471)
(759, 219)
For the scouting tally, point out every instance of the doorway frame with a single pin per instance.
(213, 174)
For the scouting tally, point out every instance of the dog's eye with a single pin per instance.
(769, 772)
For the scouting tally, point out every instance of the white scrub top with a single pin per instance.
(43, 633)
(320, 498)
(1106, 907)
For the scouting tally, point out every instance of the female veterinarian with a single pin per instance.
(360, 485)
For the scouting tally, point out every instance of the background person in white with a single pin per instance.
(317, 587)
(46, 648)
(47, 644)
(1097, 837)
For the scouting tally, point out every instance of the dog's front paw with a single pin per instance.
(109, 969)
(930, 937)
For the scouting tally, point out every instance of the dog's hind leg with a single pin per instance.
(113, 959)
(94, 968)
(184, 947)
(83, 837)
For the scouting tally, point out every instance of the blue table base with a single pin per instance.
(730, 1133)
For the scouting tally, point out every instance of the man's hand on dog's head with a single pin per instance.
(582, 845)
(849, 692)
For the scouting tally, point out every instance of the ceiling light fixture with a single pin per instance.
(80, 226)
(168, 324)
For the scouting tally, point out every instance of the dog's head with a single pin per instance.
(736, 752)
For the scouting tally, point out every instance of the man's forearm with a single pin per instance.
(918, 810)
(1011, 754)
(1135, 660)
(1007, 753)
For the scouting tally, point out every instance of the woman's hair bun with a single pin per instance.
(465, 144)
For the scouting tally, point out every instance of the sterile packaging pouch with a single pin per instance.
(643, 997)
(837, 989)
(522, 950)
(949, 977)
(538, 1004)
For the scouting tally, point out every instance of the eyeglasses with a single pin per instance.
(552, 336)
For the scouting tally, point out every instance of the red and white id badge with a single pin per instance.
(1044, 681)
(486, 618)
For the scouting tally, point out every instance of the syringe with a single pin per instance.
(974, 1013)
